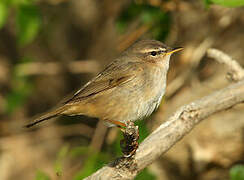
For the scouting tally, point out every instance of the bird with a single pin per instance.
(130, 88)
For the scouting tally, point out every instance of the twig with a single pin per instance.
(132, 37)
(236, 71)
(52, 68)
(185, 77)
(98, 136)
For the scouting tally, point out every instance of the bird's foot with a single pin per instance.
(129, 144)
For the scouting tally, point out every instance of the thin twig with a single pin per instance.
(98, 136)
(186, 76)
(53, 68)
(236, 71)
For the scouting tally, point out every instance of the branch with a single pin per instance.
(236, 71)
(53, 68)
(178, 125)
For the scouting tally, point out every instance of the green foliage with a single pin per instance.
(21, 89)
(28, 18)
(145, 175)
(17, 96)
(79, 151)
(41, 176)
(115, 149)
(93, 162)
(3, 13)
(237, 172)
(142, 130)
(96, 161)
(227, 3)
(157, 19)
(60, 158)
(28, 23)
(22, 2)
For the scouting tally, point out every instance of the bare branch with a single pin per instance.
(236, 71)
(52, 68)
(99, 136)
(177, 126)
(197, 55)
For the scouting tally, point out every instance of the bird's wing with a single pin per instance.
(111, 77)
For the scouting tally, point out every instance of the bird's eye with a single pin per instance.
(153, 53)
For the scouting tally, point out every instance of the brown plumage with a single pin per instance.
(128, 89)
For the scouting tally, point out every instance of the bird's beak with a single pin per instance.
(173, 50)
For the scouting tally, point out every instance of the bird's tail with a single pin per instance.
(54, 113)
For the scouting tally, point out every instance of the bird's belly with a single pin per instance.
(147, 108)
(135, 105)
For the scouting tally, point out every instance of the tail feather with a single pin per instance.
(46, 116)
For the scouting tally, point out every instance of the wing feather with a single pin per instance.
(111, 77)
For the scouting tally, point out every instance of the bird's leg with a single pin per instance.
(118, 124)
(129, 144)
(130, 132)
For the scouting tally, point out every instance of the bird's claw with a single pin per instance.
(129, 144)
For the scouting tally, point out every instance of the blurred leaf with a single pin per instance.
(207, 2)
(93, 162)
(60, 158)
(114, 149)
(143, 131)
(21, 89)
(20, 2)
(18, 95)
(237, 172)
(151, 14)
(127, 16)
(145, 175)
(42, 176)
(3, 12)
(28, 23)
(157, 19)
(78, 151)
(227, 3)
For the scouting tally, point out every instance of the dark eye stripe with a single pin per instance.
(162, 51)
(157, 52)
(154, 53)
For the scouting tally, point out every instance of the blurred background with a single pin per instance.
(50, 48)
